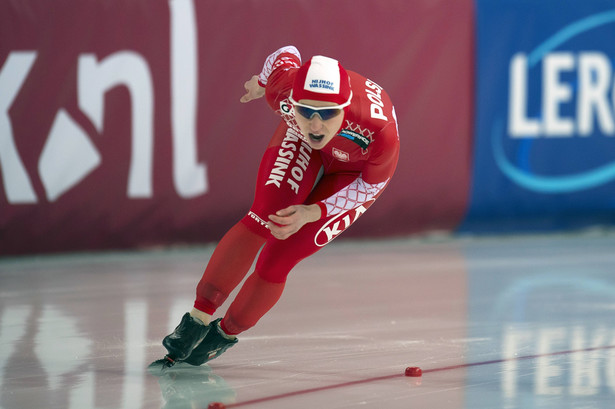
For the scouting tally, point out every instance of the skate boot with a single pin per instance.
(214, 345)
(188, 334)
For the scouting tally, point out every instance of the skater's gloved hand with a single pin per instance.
(286, 222)
(253, 90)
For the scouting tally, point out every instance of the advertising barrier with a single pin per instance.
(121, 127)
(544, 146)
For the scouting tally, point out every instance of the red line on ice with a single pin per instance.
(401, 374)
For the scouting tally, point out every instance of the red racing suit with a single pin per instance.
(344, 178)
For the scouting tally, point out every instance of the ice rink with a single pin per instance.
(494, 322)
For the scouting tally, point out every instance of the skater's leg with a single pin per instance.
(264, 288)
(228, 265)
(256, 297)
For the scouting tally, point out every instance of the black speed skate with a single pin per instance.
(214, 345)
(180, 343)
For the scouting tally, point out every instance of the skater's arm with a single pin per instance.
(281, 60)
(274, 81)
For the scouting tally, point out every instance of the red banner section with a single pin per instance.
(120, 122)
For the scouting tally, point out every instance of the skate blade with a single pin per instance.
(158, 366)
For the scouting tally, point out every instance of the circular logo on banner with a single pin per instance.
(576, 98)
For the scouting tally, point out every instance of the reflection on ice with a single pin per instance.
(555, 336)
(574, 361)
(187, 386)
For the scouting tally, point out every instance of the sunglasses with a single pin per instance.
(324, 113)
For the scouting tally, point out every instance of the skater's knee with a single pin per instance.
(273, 275)
(275, 263)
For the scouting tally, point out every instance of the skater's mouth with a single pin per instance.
(316, 138)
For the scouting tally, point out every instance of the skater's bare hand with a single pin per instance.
(286, 222)
(253, 90)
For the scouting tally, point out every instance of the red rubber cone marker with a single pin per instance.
(414, 371)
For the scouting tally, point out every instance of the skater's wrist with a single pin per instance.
(322, 210)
